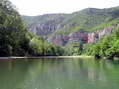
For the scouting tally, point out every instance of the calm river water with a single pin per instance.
(59, 74)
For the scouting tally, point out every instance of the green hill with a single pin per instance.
(86, 19)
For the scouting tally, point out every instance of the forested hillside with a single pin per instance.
(86, 19)
(55, 28)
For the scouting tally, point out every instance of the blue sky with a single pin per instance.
(39, 7)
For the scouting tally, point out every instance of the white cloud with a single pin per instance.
(36, 7)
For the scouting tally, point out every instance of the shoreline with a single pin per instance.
(43, 57)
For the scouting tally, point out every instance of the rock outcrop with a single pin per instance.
(81, 36)
(45, 24)
(94, 36)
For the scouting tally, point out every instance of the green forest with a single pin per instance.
(16, 40)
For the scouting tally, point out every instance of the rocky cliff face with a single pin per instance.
(44, 28)
(45, 24)
(84, 37)
(97, 35)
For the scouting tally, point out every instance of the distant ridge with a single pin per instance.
(88, 20)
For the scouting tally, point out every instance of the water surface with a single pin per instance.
(59, 74)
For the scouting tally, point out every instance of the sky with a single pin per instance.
(40, 7)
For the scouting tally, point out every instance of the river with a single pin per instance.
(76, 73)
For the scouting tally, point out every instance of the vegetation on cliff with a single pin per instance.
(106, 47)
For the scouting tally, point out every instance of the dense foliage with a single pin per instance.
(39, 47)
(107, 47)
(15, 40)
(73, 48)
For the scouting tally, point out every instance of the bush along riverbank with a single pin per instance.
(107, 47)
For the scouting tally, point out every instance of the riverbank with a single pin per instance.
(43, 57)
